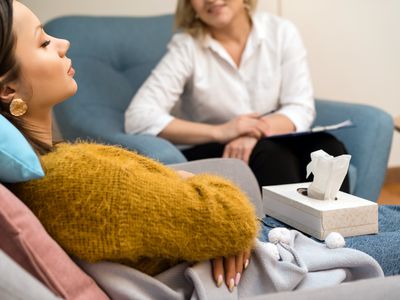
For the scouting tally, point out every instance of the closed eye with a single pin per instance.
(45, 44)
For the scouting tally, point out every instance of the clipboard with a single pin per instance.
(316, 129)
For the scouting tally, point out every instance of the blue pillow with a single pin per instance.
(18, 161)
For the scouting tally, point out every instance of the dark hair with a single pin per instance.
(10, 71)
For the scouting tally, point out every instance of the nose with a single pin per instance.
(63, 46)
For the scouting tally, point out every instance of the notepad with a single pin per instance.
(318, 128)
(347, 123)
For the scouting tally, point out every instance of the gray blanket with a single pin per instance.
(303, 264)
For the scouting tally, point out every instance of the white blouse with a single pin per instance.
(273, 74)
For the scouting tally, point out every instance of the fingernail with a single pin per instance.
(231, 285)
(246, 264)
(237, 279)
(220, 280)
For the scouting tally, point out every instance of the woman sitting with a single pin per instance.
(243, 83)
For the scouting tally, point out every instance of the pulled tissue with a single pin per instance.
(329, 173)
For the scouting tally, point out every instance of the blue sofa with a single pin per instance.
(114, 55)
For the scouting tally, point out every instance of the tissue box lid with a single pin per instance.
(349, 215)
(290, 194)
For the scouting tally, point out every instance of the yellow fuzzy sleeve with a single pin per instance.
(106, 203)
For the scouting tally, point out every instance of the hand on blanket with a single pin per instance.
(232, 266)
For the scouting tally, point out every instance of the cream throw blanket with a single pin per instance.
(304, 264)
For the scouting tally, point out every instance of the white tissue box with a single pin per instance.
(349, 215)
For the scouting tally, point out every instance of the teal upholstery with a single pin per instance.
(114, 55)
(368, 142)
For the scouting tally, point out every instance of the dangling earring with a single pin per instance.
(18, 107)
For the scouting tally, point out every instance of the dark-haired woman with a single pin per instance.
(102, 202)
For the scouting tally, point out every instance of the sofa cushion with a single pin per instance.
(18, 161)
(23, 238)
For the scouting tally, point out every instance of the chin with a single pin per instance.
(73, 88)
(71, 92)
(221, 23)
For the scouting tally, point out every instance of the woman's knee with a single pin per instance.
(274, 164)
(271, 151)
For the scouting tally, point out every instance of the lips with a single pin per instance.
(215, 8)
(71, 71)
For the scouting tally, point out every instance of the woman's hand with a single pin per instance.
(277, 124)
(240, 148)
(230, 269)
(244, 125)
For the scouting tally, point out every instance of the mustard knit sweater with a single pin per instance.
(106, 203)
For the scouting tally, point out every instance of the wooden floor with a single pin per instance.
(390, 194)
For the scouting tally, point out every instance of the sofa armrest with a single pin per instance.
(233, 169)
(368, 142)
(150, 146)
(104, 125)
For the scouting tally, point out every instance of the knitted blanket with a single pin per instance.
(303, 264)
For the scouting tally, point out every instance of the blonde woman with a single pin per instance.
(233, 84)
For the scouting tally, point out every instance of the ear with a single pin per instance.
(7, 93)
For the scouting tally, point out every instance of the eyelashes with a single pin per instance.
(45, 44)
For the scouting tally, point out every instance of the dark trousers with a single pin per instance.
(279, 160)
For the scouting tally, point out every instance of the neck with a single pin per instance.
(231, 33)
(40, 127)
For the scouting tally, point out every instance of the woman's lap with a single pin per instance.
(279, 160)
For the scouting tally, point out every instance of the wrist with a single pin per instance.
(217, 134)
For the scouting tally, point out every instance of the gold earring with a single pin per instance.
(18, 107)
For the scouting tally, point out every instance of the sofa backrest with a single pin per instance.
(112, 56)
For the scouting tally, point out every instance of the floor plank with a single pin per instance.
(390, 194)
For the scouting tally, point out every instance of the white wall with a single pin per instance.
(354, 45)
(48, 9)
(354, 51)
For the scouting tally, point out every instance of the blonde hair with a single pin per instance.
(187, 20)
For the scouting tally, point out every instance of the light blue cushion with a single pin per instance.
(18, 161)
